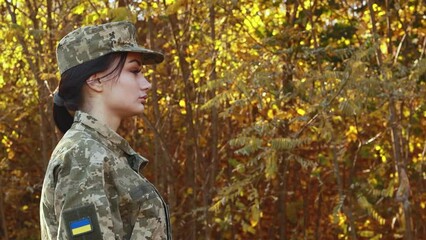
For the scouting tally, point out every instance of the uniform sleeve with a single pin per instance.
(82, 202)
(48, 222)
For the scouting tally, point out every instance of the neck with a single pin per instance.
(110, 120)
(94, 104)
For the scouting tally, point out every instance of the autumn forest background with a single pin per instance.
(292, 119)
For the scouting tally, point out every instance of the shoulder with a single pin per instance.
(76, 141)
(80, 148)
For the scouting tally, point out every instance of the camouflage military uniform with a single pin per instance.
(93, 189)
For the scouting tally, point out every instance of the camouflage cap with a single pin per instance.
(90, 42)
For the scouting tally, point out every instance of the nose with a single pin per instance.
(144, 84)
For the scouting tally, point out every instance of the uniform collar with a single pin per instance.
(111, 138)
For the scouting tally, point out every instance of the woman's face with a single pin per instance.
(127, 95)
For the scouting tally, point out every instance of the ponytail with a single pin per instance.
(62, 118)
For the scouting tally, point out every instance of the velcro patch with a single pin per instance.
(82, 223)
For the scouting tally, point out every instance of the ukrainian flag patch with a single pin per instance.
(81, 226)
(81, 223)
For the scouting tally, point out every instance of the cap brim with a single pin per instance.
(149, 57)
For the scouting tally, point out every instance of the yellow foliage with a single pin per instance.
(79, 9)
(381, 153)
(248, 228)
(122, 14)
(367, 223)
(372, 181)
(174, 7)
(182, 104)
(270, 114)
(17, 173)
(255, 215)
(216, 206)
(339, 218)
(10, 154)
(384, 48)
(271, 167)
(376, 7)
(366, 233)
(301, 111)
(251, 37)
(352, 133)
(6, 142)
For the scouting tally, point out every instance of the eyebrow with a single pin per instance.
(136, 61)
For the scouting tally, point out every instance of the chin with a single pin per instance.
(138, 111)
(129, 114)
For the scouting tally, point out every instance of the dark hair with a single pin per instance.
(72, 81)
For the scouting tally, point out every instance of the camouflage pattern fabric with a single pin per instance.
(93, 166)
(90, 42)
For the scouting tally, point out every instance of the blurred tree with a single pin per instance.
(296, 119)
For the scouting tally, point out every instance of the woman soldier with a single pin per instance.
(93, 188)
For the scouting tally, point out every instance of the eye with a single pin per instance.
(136, 71)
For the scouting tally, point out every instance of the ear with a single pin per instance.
(95, 83)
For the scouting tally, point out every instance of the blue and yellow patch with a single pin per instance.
(82, 223)
(81, 226)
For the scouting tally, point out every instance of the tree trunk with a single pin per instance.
(159, 164)
(318, 219)
(282, 198)
(374, 32)
(340, 187)
(306, 199)
(3, 231)
(403, 192)
(191, 144)
(209, 185)
(43, 94)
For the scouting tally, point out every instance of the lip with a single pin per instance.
(143, 98)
